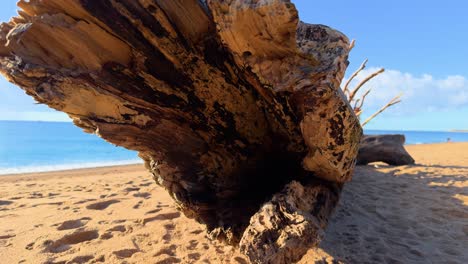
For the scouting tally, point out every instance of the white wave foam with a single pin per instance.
(60, 167)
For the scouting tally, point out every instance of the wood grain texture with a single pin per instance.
(226, 101)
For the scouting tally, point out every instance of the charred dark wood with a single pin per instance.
(225, 101)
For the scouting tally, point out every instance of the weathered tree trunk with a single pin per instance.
(291, 222)
(226, 101)
(384, 148)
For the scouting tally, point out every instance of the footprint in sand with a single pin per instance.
(65, 242)
(206, 246)
(131, 189)
(153, 211)
(169, 260)
(30, 246)
(6, 236)
(101, 205)
(81, 259)
(167, 216)
(106, 236)
(73, 224)
(85, 201)
(167, 237)
(169, 230)
(119, 228)
(169, 226)
(137, 206)
(4, 240)
(169, 251)
(194, 256)
(109, 232)
(40, 204)
(125, 253)
(4, 202)
(167, 255)
(145, 195)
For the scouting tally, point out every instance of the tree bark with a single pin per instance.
(292, 222)
(227, 101)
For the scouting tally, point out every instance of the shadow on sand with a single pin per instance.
(410, 214)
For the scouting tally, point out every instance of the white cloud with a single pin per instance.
(423, 93)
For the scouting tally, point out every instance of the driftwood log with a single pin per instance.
(384, 148)
(234, 105)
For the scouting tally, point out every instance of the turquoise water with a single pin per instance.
(49, 146)
(424, 137)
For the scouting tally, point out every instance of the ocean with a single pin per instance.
(50, 146)
(424, 137)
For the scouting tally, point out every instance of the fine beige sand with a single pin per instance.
(409, 214)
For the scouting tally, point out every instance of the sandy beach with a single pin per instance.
(408, 214)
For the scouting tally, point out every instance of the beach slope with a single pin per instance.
(409, 214)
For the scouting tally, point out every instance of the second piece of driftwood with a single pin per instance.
(384, 148)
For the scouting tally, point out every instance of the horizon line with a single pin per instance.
(374, 129)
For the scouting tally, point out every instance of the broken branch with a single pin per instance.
(394, 101)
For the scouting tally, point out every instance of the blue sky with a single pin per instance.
(422, 44)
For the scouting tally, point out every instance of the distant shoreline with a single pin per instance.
(68, 168)
(130, 166)
(74, 172)
(374, 129)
